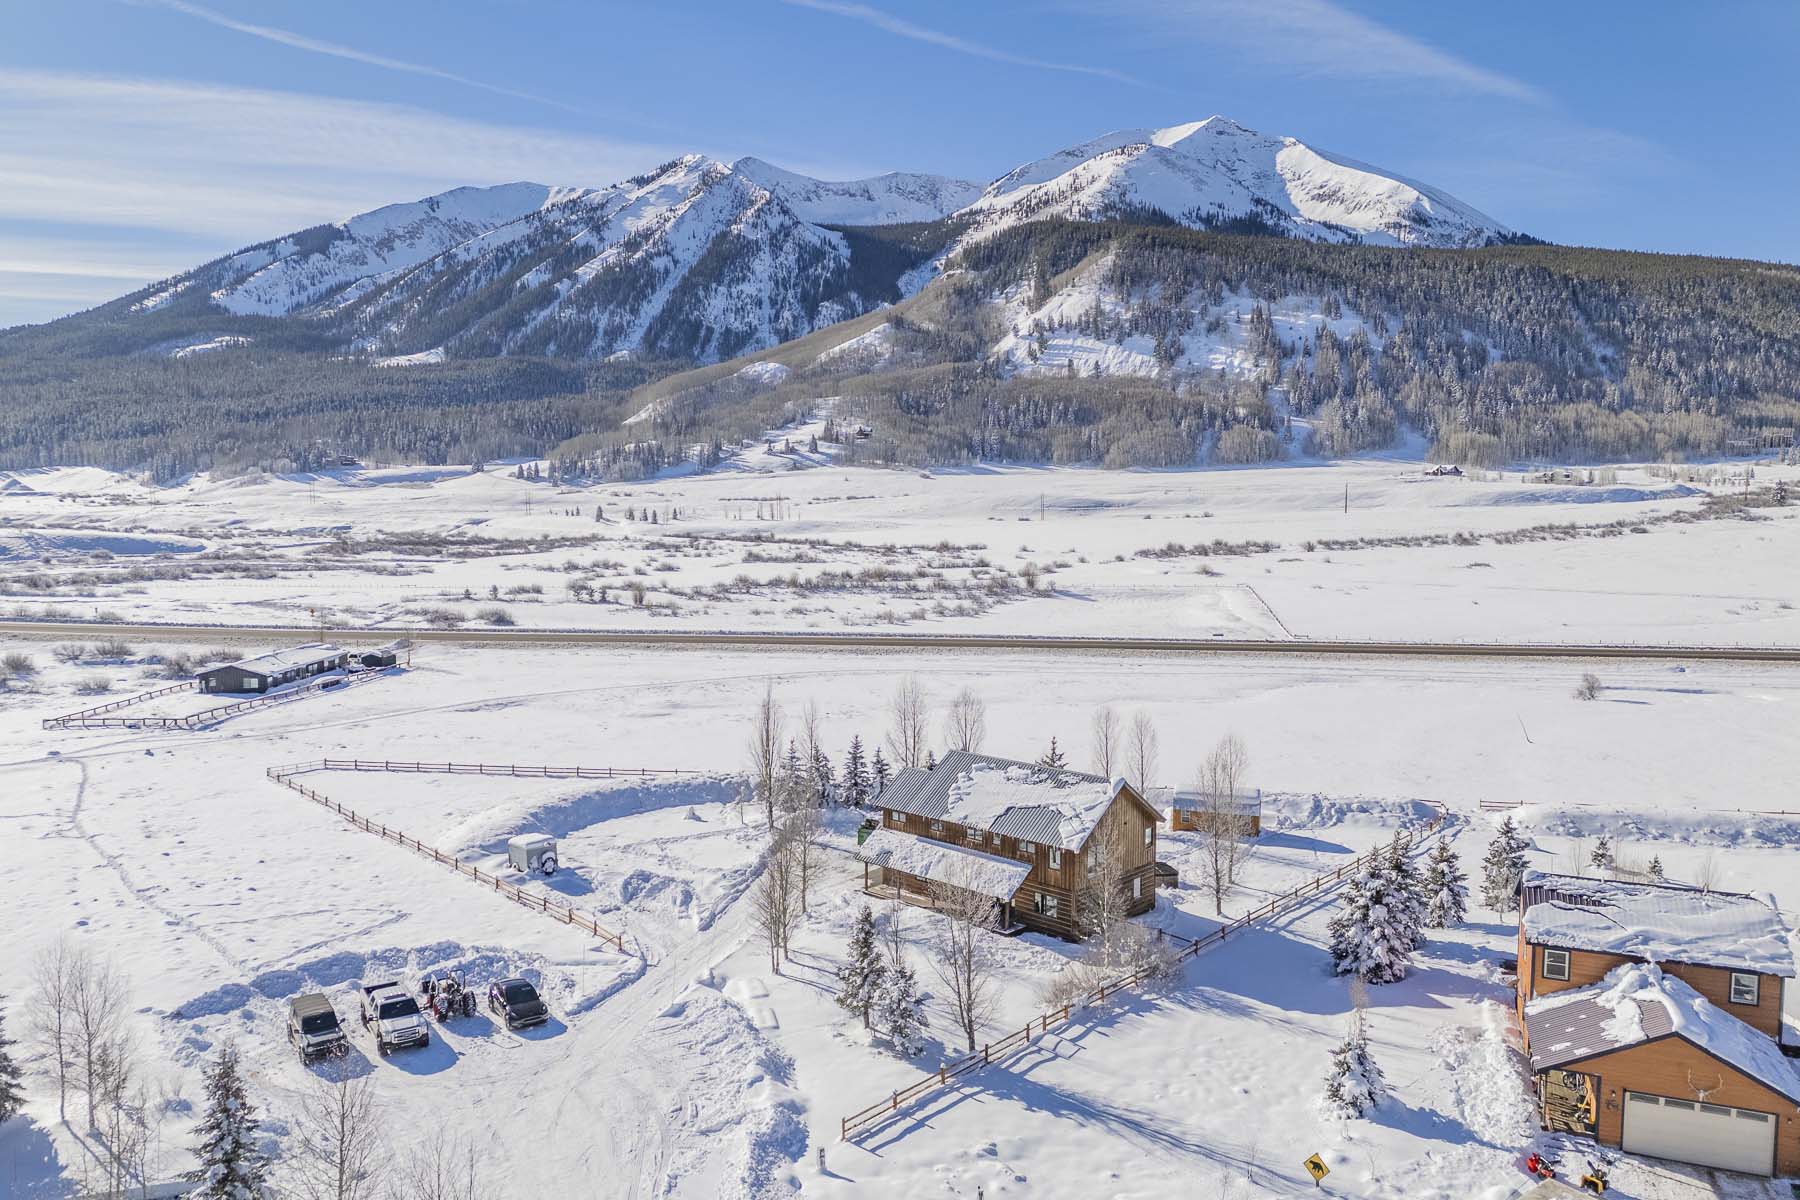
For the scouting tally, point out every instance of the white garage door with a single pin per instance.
(1712, 1135)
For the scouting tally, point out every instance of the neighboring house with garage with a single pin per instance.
(1652, 1017)
(1023, 835)
(274, 669)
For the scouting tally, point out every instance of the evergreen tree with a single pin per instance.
(863, 976)
(824, 778)
(878, 774)
(901, 1011)
(231, 1167)
(856, 774)
(1602, 857)
(1408, 889)
(931, 760)
(1446, 888)
(1656, 867)
(1354, 1084)
(1369, 938)
(1054, 759)
(1503, 867)
(12, 1090)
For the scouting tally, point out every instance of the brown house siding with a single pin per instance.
(1589, 967)
(1129, 814)
(1670, 1067)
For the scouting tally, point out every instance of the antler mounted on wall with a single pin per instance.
(1703, 1093)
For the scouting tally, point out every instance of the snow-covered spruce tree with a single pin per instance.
(1446, 888)
(863, 975)
(856, 774)
(12, 1090)
(878, 773)
(1602, 857)
(1408, 907)
(1369, 938)
(1503, 867)
(231, 1167)
(1354, 1084)
(901, 1011)
(1655, 868)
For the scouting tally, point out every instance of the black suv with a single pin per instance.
(517, 1003)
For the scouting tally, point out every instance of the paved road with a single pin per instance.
(906, 641)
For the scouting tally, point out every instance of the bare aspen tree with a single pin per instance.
(1103, 899)
(807, 831)
(442, 1168)
(339, 1154)
(119, 1101)
(962, 954)
(773, 910)
(812, 745)
(1225, 829)
(965, 726)
(98, 997)
(1106, 740)
(907, 727)
(893, 929)
(765, 750)
(1140, 753)
(53, 975)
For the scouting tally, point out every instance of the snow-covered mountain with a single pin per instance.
(703, 260)
(1217, 174)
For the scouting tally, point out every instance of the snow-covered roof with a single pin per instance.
(1659, 922)
(1637, 1003)
(1018, 799)
(942, 862)
(281, 660)
(1246, 802)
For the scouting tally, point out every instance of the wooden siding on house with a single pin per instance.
(1587, 967)
(1669, 1066)
(1128, 814)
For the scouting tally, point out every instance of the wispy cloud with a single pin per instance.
(1314, 36)
(900, 27)
(300, 41)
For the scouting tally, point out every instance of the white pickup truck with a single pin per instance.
(394, 1016)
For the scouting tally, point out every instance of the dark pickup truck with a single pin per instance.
(313, 1028)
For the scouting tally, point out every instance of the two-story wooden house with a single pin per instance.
(1020, 834)
(1652, 1015)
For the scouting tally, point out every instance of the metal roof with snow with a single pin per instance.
(943, 862)
(1024, 800)
(276, 661)
(1638, 1003)
(1657, 922)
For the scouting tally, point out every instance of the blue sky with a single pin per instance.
(140, 137)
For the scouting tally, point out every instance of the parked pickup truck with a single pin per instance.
(394, 1016)
(313, 1028)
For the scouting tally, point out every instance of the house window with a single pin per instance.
(1045, 904)
(1745, 988)
(993, 839)
(1556, 964)
(1056, 860)
(896, 818)
(972, 836)
(937, 827)
(1027, 850)
(1149, 833)
(1137, 887)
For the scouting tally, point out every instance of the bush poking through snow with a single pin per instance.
(1446, 888)
(494, 615)
(1354, 1085)
(93, 685)
(18, 664)
(1589, 688)
(69, 652)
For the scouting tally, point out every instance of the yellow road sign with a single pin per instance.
(1315, 1166)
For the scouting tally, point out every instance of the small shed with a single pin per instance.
(274, 669)
(533, 853)
(1201, 812)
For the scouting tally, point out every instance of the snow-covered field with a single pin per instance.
(1371, 549)
(688, 1068)
(685, 1066)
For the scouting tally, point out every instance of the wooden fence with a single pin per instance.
(92, 718)
(857, 1122)
(554, 909)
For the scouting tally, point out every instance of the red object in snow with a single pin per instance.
(1537, 1166)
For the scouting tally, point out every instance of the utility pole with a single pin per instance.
(1346, 497)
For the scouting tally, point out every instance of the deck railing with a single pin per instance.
(858, 1122)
